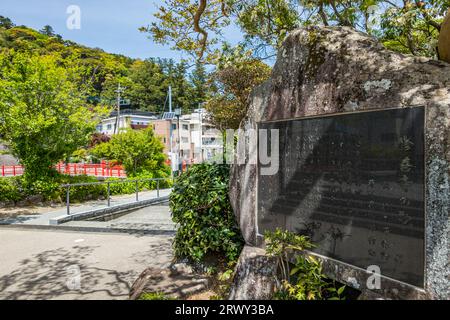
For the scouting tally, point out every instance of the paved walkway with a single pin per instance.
(43, 264)
(43, 219)
(155, 218)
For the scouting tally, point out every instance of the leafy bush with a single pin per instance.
(81, 193)
(305, 281)
(200, 206)
(16, 189)
(10, 190)
(309, 283)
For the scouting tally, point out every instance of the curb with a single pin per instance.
(113, 209)
(87, 229)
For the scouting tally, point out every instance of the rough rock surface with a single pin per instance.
(444, 39)
(255, 276)
(332, 70)
(178, 281)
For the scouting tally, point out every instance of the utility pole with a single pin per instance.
(117, 124)
(171, 132)
(170, 98)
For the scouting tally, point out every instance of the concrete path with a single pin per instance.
(152, 218)
(44, 219)
(42, 264)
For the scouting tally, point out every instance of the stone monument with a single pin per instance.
(364, 145)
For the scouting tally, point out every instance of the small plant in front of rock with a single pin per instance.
(304, 280)
(155, 296)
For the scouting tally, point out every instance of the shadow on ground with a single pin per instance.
(73, 274)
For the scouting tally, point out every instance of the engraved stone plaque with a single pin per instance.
(354, 183)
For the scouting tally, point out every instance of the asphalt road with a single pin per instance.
(46, 264)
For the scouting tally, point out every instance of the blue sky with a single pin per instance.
(111, 25)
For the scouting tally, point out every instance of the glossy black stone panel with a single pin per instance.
(354, 184)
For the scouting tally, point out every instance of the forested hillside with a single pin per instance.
(98, 72)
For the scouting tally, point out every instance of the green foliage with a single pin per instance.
(200, 206)
(231, 85)
(138, 150)
(305, 281)
(279, 242)
(309, 283)
(44, 117)
(98, 72)
(16, 189)
(407, 26)
(10, 189)
(155, 296)
(190, 25)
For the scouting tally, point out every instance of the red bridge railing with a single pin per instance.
(98, 170)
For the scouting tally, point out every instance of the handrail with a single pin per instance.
(111, 181)
(108, 183)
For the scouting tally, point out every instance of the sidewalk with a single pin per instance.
(43, 219)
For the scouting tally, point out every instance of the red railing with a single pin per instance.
(98, 170)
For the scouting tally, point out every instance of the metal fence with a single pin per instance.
(108, 183)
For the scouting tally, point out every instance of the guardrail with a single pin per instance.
(108, 183)
(96, 170)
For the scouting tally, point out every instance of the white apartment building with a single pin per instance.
(189, 138)
(206, 140)
(128, 119)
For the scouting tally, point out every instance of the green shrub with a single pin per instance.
(200, 206)
(50, 188)
(305, 280)
(130, 187)
(81, 193)
(10, 189)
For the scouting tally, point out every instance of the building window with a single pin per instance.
(108, 127)
(174, 126)
(185, 127)
(164, 139)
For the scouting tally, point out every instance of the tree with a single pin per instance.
(196, 26)
(198, 80)
(44, 117)
(48, 31)
(6, 23)
(188, 25)
(138, 150)
(231, 86)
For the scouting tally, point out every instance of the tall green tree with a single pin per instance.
(43, 115)
(140, 151)
(199, 81)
